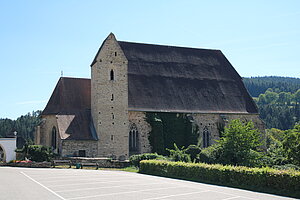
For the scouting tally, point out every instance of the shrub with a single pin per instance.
(177, 154)
(210, 154)
(39, 153)
(261, 179)
(193, 151)
(135, 159)
(287, 167)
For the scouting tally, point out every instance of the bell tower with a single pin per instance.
(109, 99)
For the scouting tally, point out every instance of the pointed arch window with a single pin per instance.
(112, 75)
(53, 137)
(205, 137)
(133, 139)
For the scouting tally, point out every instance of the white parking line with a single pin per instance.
(226, 193)
(117, 193)
(91, 183)
(43, 186)
(79, 179)
(116, 186)
(177, 195)
(232, 198)
(63, 176)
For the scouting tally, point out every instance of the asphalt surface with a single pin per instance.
(71, 184)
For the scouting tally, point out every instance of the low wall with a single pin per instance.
(103, 162)
(30, 164)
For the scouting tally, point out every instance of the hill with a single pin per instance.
(277, 98)
(259, 85)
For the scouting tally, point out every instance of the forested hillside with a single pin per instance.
(259, 85)
(24, 125)
(279, 110)
(278, 100)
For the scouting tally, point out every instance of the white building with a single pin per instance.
(7, 149)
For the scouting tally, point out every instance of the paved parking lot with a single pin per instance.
(71, 184)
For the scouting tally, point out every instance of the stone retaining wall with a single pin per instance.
(103, 162)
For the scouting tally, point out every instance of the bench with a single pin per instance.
(83, 164)
(61, 162)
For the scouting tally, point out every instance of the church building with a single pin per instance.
(105, 116)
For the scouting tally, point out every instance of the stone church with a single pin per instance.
(105, 116)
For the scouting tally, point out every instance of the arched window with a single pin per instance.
(112, 75)
(205, 137)
(133, 139)
(53, 138)
(2, 154)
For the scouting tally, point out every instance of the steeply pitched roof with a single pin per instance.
(178, 79)
(70, 95)
(76, 126)
(166, 79)
(70, 102)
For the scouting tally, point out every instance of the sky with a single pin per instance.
(40, 39)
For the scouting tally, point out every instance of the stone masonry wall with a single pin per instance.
(212, 123)
(48, 122)
(109, 100)
(72, 147)
(144, 129)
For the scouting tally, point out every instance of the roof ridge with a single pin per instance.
(170, 46)
(63, 77)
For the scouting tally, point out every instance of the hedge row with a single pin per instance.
(261, 179)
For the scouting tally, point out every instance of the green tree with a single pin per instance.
(270, 96)
(297, 96)
(275, 152)
(262, 99)
(240, 144)
(291, 145)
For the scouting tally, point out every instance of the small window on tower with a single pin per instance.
(115, 53)
(112, 75)
(112, 97)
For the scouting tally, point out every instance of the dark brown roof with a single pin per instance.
(70, 102)
(70, 95)
(178, 79)
(160, 79)
(76, 126)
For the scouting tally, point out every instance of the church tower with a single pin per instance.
(109, 99)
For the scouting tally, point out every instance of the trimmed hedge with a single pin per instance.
(136, 159)
(261, 179)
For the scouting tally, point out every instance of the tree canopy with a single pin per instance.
(279, 110)
(24, 125)
(259, 85)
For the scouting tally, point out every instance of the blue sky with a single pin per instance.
(39, 39)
